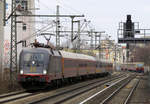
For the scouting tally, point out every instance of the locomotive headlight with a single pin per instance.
(44, 71)
(21, 71)
(33, 62)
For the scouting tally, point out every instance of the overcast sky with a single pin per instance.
(104, 14)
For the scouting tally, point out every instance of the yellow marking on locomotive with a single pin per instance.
(32, 69)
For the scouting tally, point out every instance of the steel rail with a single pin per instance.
(5, 98)
(103, 90)
(131, 92)
(19, 95)
(65, 92)
(11, 94)
(116, 91)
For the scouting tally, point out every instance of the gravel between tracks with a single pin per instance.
(49, 93)
(142, 93)
(121, 96)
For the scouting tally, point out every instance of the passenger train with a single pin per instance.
(133, 67)
(46, 65)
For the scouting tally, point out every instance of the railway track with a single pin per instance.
(71, 93)
(106, 100)
(103, 95)
(5, 98)
(119, 92)
(17, 97)
(11, 94)
(131, 92)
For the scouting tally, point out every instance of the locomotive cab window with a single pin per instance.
(33, 59)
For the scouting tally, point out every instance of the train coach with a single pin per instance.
(133, 67)
(44, 65)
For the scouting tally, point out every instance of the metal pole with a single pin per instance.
(72, 17)
(24, 15)
(95, 40)
(91, 39)
(99, 46)
(13, 52)
(79, 35)
(57, 28)
(115, 56)
(4, 15)
(1, 38)
(127, 52)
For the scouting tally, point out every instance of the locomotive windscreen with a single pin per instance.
(35, 59)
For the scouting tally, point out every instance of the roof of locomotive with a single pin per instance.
(32, 50)
(77, 56)
(64, 54)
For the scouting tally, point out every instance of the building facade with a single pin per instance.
(1, 35)
(25, 27)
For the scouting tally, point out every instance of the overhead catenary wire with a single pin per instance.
(46, 6)
(40, 30)
(83, 26)
(64, 4)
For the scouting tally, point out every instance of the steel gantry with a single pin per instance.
(13, 16)
(57, 28)
(57, 21)
(13, 50)
(13, 37)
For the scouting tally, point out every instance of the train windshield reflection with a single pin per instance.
(33, 59)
